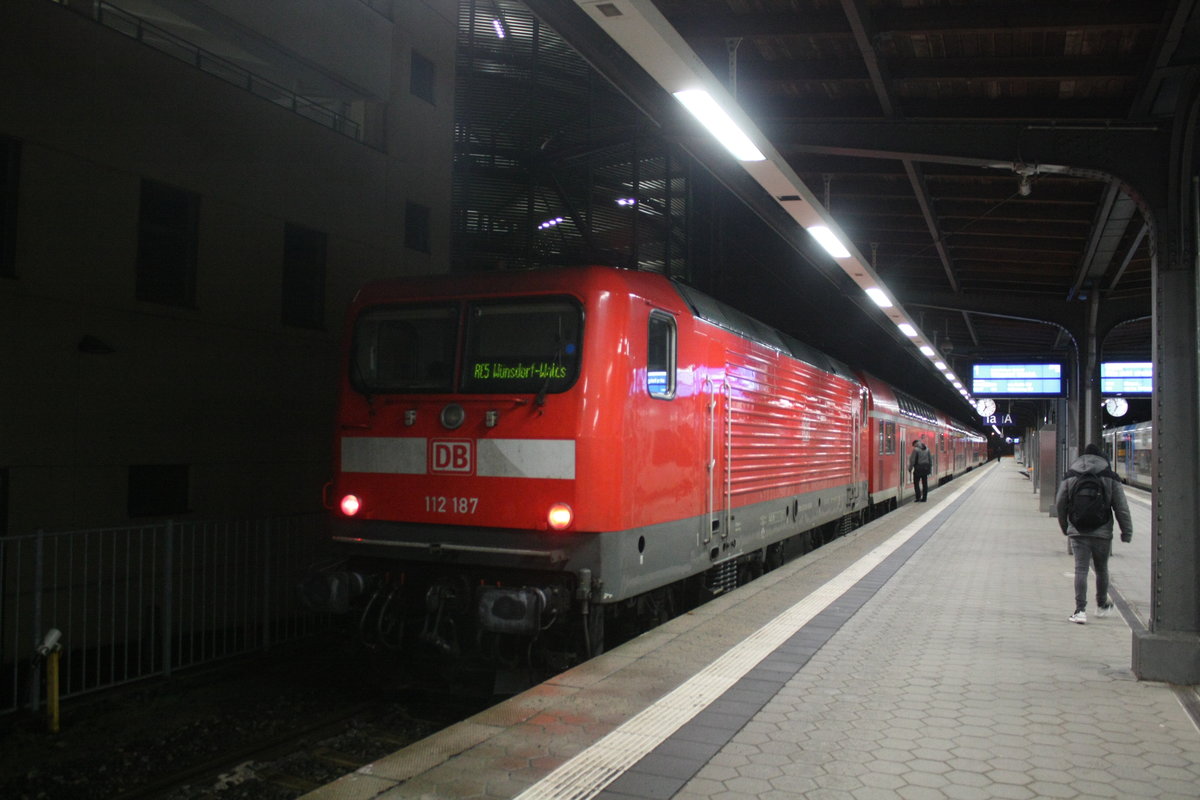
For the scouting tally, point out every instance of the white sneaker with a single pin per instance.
(1079, 617)
(1104, 611)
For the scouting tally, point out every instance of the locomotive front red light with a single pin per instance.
(350, 505)
(560, 517)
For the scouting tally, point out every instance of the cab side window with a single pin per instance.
(660, 360)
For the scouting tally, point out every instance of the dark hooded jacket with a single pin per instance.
(1094, 464)
(920, 460)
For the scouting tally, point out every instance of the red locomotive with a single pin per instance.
(520, 456)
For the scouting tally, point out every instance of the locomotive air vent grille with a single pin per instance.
(721, 577)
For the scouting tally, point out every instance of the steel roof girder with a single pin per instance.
(1135, 155)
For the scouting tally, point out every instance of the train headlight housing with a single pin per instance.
(350, 505)
(452, 416)
(560, 517)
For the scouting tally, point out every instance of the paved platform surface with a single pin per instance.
(926, 655)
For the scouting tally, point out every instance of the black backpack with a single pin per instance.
(1088, 504)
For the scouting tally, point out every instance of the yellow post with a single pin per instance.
(52, 689)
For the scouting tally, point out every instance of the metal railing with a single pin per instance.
(136, 28)
(142, 601)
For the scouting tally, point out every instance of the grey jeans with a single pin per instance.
(1094, 551)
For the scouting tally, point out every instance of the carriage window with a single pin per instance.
(525, 347)
(404, 349)
(660, 360)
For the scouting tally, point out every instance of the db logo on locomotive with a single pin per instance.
(456, 456)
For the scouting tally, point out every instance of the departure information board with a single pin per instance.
(1126, 377)
(1017, 380)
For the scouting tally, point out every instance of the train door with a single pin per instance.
(857, 416)
(902, 447)
(721, 527)
(715, 520)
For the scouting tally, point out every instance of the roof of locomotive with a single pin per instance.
(564, 279)
(717, 313)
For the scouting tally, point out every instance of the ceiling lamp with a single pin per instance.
(1025, 175)
(879, 296)
(704, 108)
(641, 30)
(829, 240)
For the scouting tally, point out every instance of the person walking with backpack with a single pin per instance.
(1088, 497)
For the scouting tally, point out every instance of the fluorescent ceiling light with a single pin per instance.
(927, 350)
(877, 294)
(907, 330)
(940, 365)
(829, 241)
(719, 124)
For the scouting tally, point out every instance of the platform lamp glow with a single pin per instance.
(717, 121)
(641, 30)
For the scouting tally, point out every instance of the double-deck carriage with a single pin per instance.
(1130, 450)
(897, 420)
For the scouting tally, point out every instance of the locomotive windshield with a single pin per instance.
(527, 346)
(523, 347)
(405, 349)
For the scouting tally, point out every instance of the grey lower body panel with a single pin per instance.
(622, 564)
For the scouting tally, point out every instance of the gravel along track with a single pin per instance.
(271, 728)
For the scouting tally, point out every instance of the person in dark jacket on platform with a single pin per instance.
(1092, 546)
(920, 464)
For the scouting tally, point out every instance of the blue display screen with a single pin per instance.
(1023, 380)
(1126, 377)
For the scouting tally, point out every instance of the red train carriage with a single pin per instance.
(516, 453)
(896, 421)
(968, 448)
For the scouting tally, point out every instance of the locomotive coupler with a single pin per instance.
(511, 610)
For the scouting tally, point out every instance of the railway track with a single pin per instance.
(290, 765)
(269, 729)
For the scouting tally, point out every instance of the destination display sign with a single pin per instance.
(496, 371)
(1126, 377)
(1017, 380)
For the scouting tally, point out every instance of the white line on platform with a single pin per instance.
(588, 772)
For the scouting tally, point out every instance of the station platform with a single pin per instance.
(925, 655)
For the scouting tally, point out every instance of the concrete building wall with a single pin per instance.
(95, 380)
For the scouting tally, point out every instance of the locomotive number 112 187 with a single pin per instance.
(451, 505)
